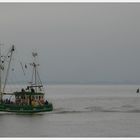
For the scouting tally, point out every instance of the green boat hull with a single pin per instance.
(25, 108)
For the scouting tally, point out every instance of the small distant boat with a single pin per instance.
(137, 90)
(29, 100)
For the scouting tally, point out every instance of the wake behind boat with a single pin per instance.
(28, 100)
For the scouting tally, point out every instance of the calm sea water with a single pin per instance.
(80, 111)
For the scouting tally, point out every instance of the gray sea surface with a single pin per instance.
(80, 111)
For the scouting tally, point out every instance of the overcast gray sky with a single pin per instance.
(77, 43)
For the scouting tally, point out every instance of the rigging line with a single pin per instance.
(14, 79)
(11, 53)
(13, 73)
(32, 76)
(43, 87)
(0, 74)
(39, 82)
(24, 71)
(38, 68)
(19, 61)
(39, 78)
(4, 59)
(6, 56)
(22, 68)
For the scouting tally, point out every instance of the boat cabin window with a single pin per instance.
(40, 97)
(36, 97)
(32, 90)
(17, 97)
(32, 97)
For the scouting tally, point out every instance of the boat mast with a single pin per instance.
(11, 53)
(0, 75)
(35, 74)
(1, 68)
(35, 66)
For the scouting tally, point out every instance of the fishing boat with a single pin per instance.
(27, 100)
